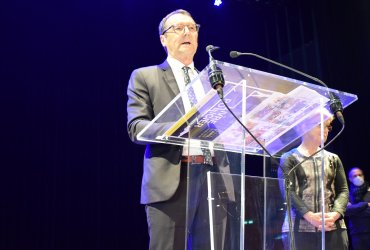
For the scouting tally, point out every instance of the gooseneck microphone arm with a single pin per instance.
(235, 54)
(335, 104)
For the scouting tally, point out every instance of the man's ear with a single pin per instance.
(163, 40)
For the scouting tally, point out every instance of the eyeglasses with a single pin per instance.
(179, 28)
(329, 127)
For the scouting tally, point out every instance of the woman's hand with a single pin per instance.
(316, 220)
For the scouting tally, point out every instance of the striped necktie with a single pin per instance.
(190, 91)
(193, 100)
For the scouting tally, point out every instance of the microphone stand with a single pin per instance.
(289, 212)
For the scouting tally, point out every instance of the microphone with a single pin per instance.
(335, 103)
(234, 54)
(211, 48)
(215, 75)
(336, 107)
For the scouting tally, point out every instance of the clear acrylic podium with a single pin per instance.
(229, 210)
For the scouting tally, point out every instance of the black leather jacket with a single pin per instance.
(305, 190)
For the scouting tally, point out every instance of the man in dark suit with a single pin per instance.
(164, 182)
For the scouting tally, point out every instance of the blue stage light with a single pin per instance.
(218, 2)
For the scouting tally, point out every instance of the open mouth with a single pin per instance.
(186, 43)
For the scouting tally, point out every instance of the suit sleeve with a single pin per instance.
(140, 108)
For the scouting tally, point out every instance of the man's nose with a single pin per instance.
(186, 30)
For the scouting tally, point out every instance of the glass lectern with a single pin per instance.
(235, 211)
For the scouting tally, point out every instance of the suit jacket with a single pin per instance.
(149, 91)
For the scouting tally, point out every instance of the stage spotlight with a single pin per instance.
(218, 2)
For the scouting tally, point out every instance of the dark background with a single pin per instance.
(70, 177)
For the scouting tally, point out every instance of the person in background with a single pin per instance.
(305, 194)
(358, 210)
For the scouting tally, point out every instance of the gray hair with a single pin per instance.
(164, 20)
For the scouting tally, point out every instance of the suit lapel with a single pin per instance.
(169, 77)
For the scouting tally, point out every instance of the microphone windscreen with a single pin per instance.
(234, 54)
(340, 117)
(209, 47)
